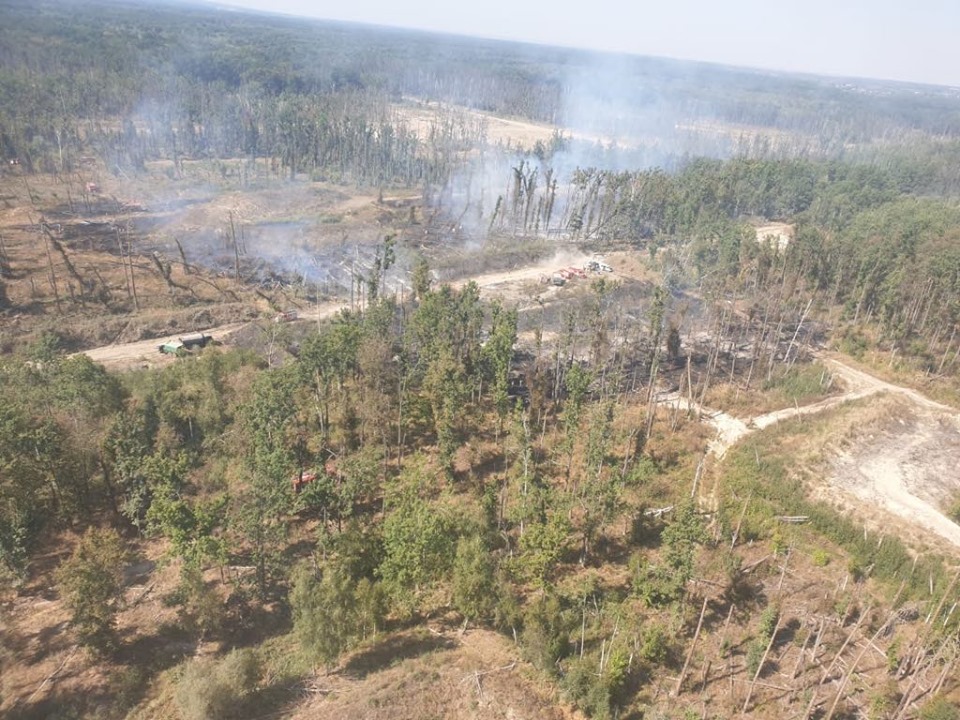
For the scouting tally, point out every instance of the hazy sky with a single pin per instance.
(916, 40)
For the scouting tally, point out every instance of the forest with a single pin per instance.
(396, 487)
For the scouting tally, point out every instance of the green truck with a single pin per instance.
(185, 344)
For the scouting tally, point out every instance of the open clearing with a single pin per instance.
(413, 675)
(900, 468)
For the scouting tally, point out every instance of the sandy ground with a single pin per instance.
(421, 116)
(905, 468)
(506, 285)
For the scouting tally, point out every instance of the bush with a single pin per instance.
(820, 558)
(654, 645)
(91, 584)
(545, 638)
(587, 689)
(473, 580)
(202, 608)
(210, 690)
(324, 613)
(939, 708)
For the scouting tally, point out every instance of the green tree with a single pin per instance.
(474, 580)
(129, 442)
(421, 279)
(91, 584)
(666, 581)
(577, 383)
(269, 420)
(497, 355)
(325, 615)
(216, 690)
(418, 544)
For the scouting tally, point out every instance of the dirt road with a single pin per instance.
(905, 468)
(145, 353)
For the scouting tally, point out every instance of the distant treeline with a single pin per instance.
(133, 83)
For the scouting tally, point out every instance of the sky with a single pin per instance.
(911, 40)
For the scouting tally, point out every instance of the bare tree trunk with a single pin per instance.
(836, 658)
(763, 660)
(693, 645)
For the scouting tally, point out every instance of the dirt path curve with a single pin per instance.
(886, 475)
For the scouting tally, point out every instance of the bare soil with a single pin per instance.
(435, 674)
(898, 470)
(903, 464)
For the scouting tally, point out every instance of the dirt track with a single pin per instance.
(144, 352)
(904, 468)
(893, 474)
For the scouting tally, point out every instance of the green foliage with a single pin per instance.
(497, 354)
(768, 623)
(216, 690)
(420, 277)
(419, 540)
(654, 647)
(130, 441)
(546, 633)
(543, 544)
(91, 584)
(666, 581)
(588, 688)
(202, 608)
(474, 585)
(767, 626)
(333, 612)
(800, 383)
(324, 613)
(359, 550)
(194, 527)
(269, 419)
(939, 708)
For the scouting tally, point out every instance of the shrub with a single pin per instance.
(202, 608)
(324, 613)
(473, 579)
(820, 558)
(545, 637)
(939, 708)
(91, 584)
(586, 688)
(654, 645)
(210, 690)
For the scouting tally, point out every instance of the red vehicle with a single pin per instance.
(302, 480)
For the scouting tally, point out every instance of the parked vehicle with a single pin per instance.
(185, 344)
(173, 347)
(196, 340)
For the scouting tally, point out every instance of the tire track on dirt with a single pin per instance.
(891, 474)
